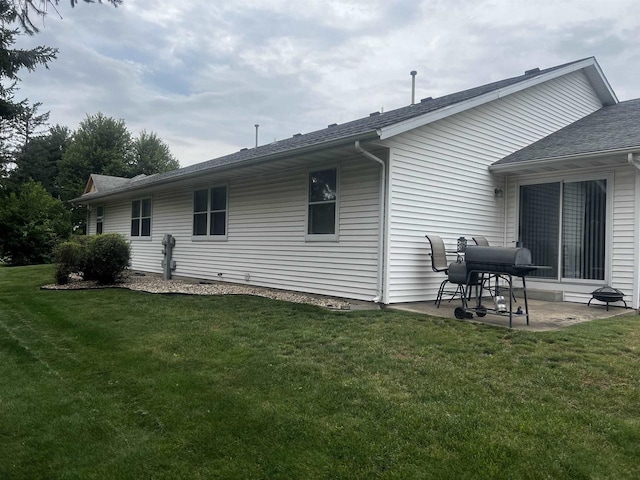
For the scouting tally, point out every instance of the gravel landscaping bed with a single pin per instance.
(155, 284)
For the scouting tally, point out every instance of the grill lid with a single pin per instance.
(507, 260)
(512, 256)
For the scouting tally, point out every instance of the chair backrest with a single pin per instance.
(438, 254)
(481, 241)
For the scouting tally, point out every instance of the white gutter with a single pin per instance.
(635, 162)
(381, 218)
(515, 166)
(188, 173)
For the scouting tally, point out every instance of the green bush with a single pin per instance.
(70, 257)
(107, 257)
(101, 257)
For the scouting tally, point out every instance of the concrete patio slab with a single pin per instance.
(543, 316)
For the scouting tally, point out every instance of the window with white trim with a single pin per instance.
(99, 219)
(210, 212)
(322, 201)
(141, 218)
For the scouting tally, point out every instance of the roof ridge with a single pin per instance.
(360, 128)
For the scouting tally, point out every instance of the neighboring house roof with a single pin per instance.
(101, 183)
(611, 128)
(105, 183)
(382, 125)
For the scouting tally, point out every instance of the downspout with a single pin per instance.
(381, 219)
(634, 162)
(505, 211)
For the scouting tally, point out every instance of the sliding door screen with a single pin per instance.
(564, 226)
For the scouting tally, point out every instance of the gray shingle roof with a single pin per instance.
(356, 129)
(610, 128)
(103, 183)
(106, 183)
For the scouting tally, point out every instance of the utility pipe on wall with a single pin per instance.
(635, 162)
(381, 218)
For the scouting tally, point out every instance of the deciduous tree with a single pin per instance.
(31, 224)
(151, 155)
(100, 145)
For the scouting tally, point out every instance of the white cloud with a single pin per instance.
(201, 74)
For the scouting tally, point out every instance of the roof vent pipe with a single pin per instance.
(256, 125)
(413, 86)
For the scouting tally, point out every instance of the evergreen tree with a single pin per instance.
(27, 10)
(12, 60)
(38, 160)
(29, 124)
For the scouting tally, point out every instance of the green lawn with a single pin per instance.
(119, 384)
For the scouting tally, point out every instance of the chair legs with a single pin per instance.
(440, 292)
(458, 291)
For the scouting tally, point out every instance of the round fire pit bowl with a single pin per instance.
(607, 295)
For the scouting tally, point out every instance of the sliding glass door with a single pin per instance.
(564, 226)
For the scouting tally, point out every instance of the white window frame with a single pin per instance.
(322, 237)
(609, 177)
(208, 237)
(99, 219)
(141, 237)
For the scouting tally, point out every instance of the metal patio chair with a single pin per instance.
(481, 241)
(440, 264)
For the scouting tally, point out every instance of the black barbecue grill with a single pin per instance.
(500, 262)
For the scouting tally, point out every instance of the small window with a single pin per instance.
(141, 218)
(210, 212)
(322, 202)
(99, 219)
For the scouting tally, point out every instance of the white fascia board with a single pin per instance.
(401, 127)
(344, 141)
(541, 162)
(600, 84)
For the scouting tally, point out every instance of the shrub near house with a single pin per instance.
(102, 258)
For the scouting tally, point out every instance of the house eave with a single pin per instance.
(517, 167)
(592, 71)
(367, 136)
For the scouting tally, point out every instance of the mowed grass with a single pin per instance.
(119, 384)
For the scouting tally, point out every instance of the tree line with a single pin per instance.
(42, 167)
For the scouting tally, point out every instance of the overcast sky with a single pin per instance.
(201, 73)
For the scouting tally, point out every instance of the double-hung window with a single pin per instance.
(564, 224)
(322, 205)
(210, 213)
(99, 219)
(141, 218)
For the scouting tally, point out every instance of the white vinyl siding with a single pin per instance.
(440, 182)
(266, 232)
